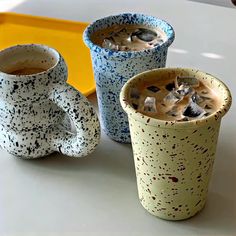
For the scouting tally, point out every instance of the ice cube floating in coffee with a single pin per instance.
(129, 37)
(180, 99)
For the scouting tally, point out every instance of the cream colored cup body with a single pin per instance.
(174, 160)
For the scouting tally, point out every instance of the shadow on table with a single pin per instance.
(114, 161)
(110, 158)
(219, 213)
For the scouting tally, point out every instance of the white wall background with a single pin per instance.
(225, 3)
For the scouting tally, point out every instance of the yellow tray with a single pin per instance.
(63, 35)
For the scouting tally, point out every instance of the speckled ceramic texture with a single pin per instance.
(33, 107)
(174, 160)
(113, 68)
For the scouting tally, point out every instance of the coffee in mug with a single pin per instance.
(26, 71)
(34, 101)
(127, 37)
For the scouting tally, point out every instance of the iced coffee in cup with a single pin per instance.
(174, 117)
(126, 37)
(122, 46)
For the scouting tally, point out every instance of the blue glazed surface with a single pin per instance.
(112, 69)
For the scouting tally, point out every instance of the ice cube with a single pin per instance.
(193, 110)
(184, 90)
(184, 119)
(109, 43)
(150, 104)
(207, 107)
(153, 88)
(172, 97)
(187, 80)
(206, 114)
(145, 35)
(134, 93)
(206, 98)
(204, 92)
(196, 98)
(172, 112)
(122, 33)
(170, 86)
(135, 106)
(129, 39)
(159, 41)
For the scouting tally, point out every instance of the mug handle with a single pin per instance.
(85, 119)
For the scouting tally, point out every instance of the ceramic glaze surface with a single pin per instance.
(33, 107)
(174, 160)
(113, 68)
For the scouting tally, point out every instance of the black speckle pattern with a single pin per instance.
(33, 108)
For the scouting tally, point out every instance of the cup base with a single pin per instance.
(171, 218)
(25, 157)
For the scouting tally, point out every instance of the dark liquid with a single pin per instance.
(26, 71)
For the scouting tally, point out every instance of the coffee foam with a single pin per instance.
(129, 37)
(178, 103)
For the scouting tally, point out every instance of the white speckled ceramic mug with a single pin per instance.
(173, 159)
(33, 105)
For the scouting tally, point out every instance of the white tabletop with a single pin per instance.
(97, 195)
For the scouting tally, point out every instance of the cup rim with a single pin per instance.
(41, 46)
(127, 54)
(132, 113)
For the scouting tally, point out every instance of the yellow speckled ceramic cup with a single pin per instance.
(174, 160)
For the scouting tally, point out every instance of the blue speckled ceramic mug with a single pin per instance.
(112, 69)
